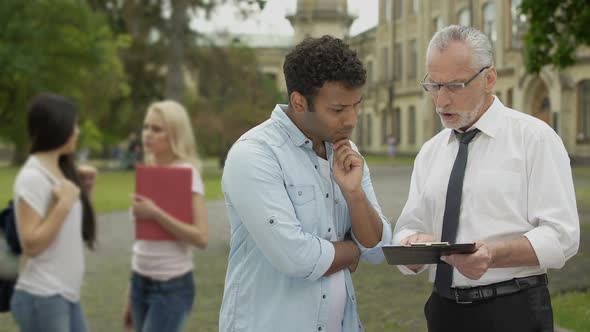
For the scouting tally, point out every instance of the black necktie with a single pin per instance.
(444, 271)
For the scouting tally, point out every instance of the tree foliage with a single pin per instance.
(556, 29)
(115, 57)
(234, 96)
(162, 41)
(59, 46)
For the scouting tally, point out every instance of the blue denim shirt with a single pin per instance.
(281, 230)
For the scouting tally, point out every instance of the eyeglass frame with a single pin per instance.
(452, 84)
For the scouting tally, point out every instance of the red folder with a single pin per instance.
(171, 189)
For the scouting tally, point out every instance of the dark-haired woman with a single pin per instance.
(54, 219)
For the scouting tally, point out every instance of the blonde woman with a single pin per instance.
(162, 288)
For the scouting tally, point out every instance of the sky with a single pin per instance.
(272, 18)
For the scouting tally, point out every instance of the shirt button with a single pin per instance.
(299, 193)
(339, 235)
(329, 230)
(316, 166)
(336, 201)
(327, 195)
(319, 328)
(272, 221)
(324, 296)
(306, 142)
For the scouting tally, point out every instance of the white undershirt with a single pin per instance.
(336, 285)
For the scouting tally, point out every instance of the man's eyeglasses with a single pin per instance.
(453, 87)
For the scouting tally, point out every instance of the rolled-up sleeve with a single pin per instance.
(254, 188)
(375, 254)
(552, 202)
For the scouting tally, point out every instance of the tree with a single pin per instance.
(162, 41)
(138, 21)
(59, 46)
(556, 29)
(164, 49)
(234, 96)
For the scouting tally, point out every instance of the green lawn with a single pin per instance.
(572, 310)
(373, 159)
(113, 188)
(582, 186)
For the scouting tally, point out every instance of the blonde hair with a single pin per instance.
(180, 132)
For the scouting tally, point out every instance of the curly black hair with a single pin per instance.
(316, 61)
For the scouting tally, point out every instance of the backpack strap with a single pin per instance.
(8, 226)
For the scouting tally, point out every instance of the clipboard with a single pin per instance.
(171, 189)
(424, 253)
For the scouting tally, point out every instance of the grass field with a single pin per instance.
(113, 187)
(573, 310)
(388, 301)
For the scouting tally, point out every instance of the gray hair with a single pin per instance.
(477, 41)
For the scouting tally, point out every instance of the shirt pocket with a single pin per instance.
(304, 204)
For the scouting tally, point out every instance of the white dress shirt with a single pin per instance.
(518, 181)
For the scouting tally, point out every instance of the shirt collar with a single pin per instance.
(296, 135)
(488, 123)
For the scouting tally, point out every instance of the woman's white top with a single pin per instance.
(59, 269)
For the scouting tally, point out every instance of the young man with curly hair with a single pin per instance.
(301, 204)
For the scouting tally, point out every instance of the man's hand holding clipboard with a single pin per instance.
(418, 250)
(416, 238)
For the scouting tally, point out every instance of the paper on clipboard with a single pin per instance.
(424, 253)
(171, 189)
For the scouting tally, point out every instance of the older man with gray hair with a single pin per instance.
(493, 176)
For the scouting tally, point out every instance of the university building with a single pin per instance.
(394, 54)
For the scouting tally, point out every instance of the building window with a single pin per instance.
(415, 7)
(509, 98)
(413, 70)
(489, 22)
(412, 125)
(360, 131)
(396, 124)
(384, 127)
(370, 72)
(388, 10)
(437, 122)
(397, 9)
(385, 64)
(583, 112)
(519, 24)
(439, 24)
(398, 61)
(464, 17)
(369, 129)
